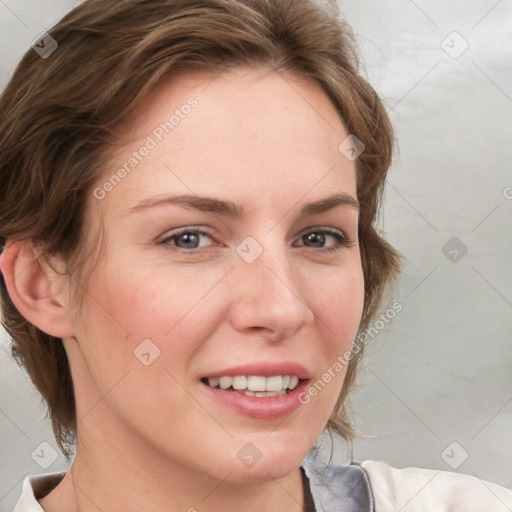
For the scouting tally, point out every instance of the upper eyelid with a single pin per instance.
(187, 229)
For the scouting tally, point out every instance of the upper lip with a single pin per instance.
(264, 369)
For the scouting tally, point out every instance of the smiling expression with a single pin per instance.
(231, 274)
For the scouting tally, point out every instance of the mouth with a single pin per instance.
(254, 385)
(263, 391)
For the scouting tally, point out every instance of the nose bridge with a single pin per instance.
(267, 260)
(270, 294)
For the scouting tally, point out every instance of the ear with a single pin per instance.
(39, 293)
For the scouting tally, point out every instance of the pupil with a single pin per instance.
(316, 238)
(191, 240)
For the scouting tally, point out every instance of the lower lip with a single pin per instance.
(263, 408)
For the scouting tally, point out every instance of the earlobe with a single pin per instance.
(35, 288)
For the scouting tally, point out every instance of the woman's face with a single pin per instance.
(239, 277)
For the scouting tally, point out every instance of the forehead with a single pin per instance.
(246, 129)
(259, 100)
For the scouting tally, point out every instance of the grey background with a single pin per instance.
(441, 373)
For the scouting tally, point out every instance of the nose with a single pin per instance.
(270, 297)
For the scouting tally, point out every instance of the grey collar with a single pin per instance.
(337, 488)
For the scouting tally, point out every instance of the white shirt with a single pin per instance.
(427, 490)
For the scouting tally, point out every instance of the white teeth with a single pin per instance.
(214, 382)
(261, 394)
(294, 381)
(225, 382)
(256, 385)
(240, 382)
(274, 383)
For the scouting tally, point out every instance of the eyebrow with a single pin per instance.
(234, 210)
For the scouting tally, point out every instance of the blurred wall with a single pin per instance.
(436, 389)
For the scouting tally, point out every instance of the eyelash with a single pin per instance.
(341, 239)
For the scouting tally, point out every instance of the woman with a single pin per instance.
(189, 191)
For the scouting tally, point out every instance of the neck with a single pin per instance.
(119, 476)
(128, 486)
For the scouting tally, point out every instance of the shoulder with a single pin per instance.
(34, 488)
(415, 489)
(377, 487)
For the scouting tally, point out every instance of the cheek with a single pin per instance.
(340, 311)
(168, 307)
(147, 302)
(340, 305)
(133, 336)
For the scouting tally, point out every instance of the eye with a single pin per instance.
(188, 239)
(318, 237)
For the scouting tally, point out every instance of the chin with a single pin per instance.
(268, 456)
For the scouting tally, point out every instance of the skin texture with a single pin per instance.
(149, 437)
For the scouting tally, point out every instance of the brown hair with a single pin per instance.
(60, 113)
